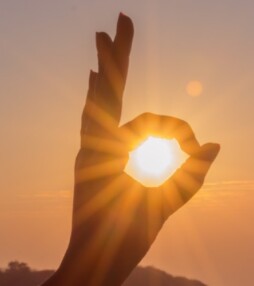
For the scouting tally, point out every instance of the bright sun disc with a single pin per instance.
(154, 156)
(154, 161)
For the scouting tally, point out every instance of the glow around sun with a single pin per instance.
(154, 161)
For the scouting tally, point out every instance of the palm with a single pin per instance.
(116, 219)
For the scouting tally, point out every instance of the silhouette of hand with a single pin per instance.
(115, 218)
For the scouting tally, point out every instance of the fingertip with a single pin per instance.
(208, 151)
(125, 23)
(92, 77)
(216, 145)
(121, 14)
(123, 17)
(102, 40)
(213, 147)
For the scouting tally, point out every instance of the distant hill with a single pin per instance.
(150, 276)
(20, 274)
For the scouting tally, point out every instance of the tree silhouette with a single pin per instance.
(15, 266)
(20, 274)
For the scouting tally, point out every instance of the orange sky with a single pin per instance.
(47, 50)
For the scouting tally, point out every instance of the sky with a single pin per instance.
(47, 49)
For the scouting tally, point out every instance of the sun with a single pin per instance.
(154, 161)
(154, 156)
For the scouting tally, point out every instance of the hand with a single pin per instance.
(115, 218)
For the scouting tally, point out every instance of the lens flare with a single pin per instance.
(194, 88)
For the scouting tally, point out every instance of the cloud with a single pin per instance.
(46, 196)
(62, 194)
(219, 194)
(230, 186)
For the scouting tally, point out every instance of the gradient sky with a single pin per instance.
(46, 51)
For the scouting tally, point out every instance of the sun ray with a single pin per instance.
(129, 203)
(108, 146)
(100, 170)
(99, 200)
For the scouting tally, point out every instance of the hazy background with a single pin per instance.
(46, 51)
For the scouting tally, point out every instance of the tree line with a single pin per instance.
(20, 274)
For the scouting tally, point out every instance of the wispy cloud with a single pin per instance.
(46, 195)
(230, 185)
(225, 192)
(62, 194)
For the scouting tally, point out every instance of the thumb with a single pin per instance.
(188, 179)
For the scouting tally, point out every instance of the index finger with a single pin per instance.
(148, 124)
(123, 42)
(105, 100)
(113, 67)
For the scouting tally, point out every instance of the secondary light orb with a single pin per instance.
(194, 88)
(153, 161)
